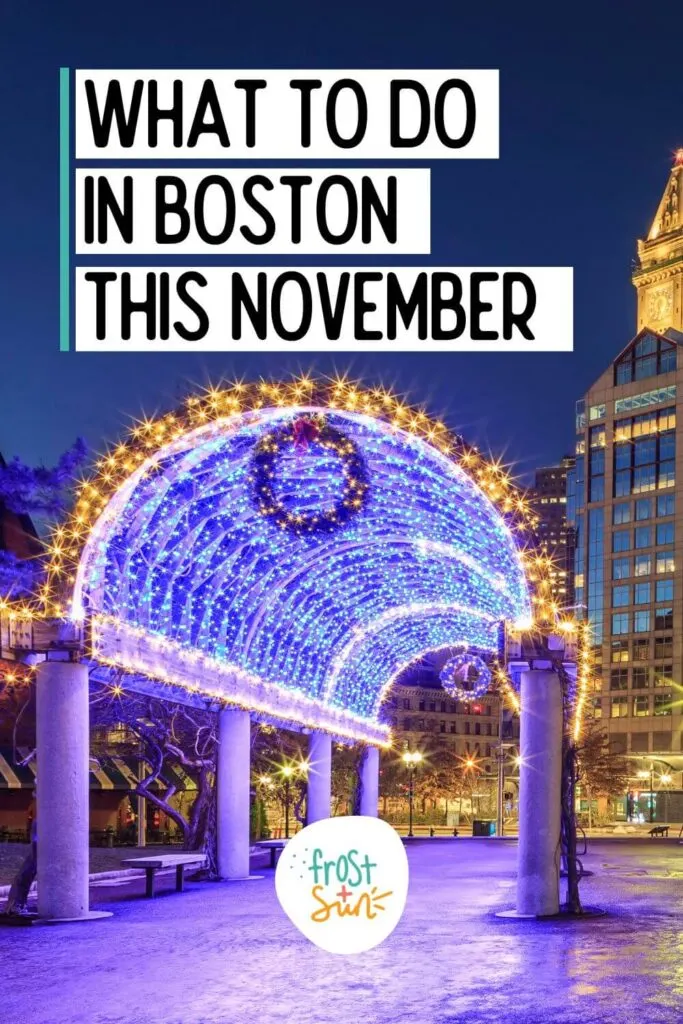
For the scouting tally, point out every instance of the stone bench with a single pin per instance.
(179, 861)
(276, 846)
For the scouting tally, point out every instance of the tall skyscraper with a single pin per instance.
(625, 499)
(555, 535)
(659, 274)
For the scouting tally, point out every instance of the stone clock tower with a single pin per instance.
(658, 277)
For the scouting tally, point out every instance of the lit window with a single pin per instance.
(596, 436)
(667, 419)
(664, 647)
(640, 677)
(662, 674)
(622, 429)
(644, 479)
(662, 704)
(641, 650)
(619, 651)
(619, 707)
(641, 706)
(665, 561)
(618, 679)
(643, 565)
(645, 423)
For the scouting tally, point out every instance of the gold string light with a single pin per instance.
(147, 436)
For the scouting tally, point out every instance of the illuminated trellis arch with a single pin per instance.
(184, 580)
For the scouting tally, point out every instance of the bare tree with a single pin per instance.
(164, 734)
(601, 772)
(442, 773)
(38, 491)
(346, 782)
(392, 775)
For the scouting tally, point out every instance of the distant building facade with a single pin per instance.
(423, 714)
(555, 534)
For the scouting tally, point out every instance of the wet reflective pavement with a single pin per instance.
(226, 952)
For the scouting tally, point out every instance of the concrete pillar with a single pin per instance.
(232, 793)
(62, 820)
(369, 782)
(319, 793)
(538, 867)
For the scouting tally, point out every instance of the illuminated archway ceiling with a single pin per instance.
(310, 628)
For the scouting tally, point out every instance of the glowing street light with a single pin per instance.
(411, 759)
(287, 771)
(651, 776)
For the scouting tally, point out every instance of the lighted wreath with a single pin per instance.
(303, 435)
(465, 677)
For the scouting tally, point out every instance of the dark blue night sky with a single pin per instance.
(590, 114)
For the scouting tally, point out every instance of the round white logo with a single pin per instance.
(343, 882)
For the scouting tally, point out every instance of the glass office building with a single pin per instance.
(625, 502)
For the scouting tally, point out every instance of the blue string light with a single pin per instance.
(183, 552)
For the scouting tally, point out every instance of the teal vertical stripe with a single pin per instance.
(64, 213)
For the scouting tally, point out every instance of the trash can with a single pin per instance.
(483, 828)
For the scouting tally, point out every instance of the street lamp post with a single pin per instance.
(665, 778)
(287, 772)
(471, 766)
(500, 790)
(651, 776)
(266, 784)
(411, 759)
(501, 768)
(501, 758)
